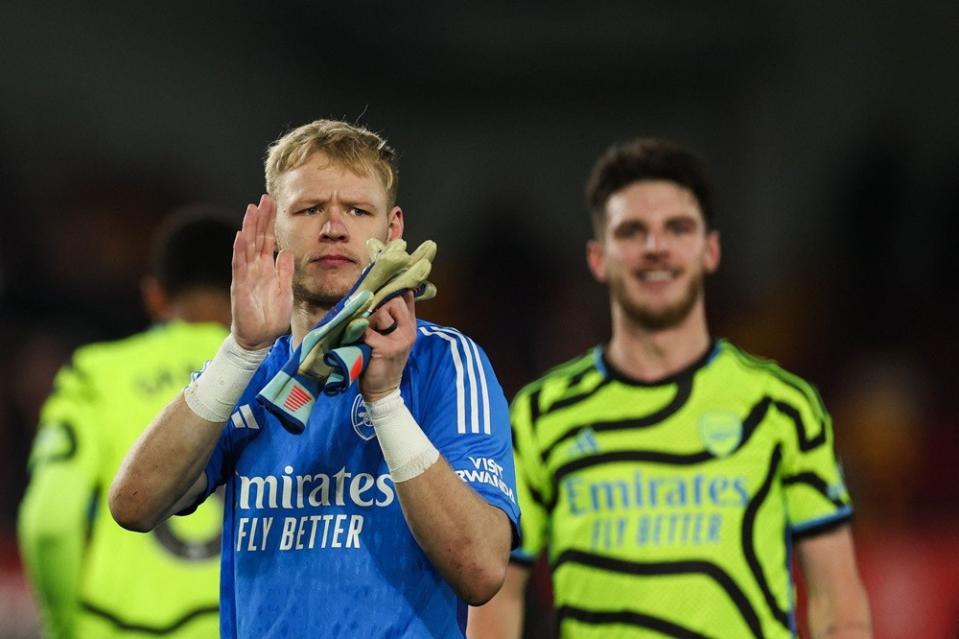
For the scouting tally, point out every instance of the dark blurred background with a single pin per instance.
(830, 128)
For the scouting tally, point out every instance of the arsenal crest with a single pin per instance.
(721, 432)
(361, 420)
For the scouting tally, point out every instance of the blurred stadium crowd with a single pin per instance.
(838, 181)
(883, 364)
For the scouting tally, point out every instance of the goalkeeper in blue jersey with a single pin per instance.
(381, 510)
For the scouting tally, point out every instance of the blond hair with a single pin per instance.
(353, 147)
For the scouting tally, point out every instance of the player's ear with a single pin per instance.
(596, 260)
(712, 253)
(395, 218)
(155, 300)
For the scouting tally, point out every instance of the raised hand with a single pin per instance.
(261, 293)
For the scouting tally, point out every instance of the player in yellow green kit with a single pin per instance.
(669, 475)
(92, 578)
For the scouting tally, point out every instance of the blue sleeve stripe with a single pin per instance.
(473, 369)
(841, 513)
(522, 556)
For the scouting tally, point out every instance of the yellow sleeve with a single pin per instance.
(813, 485)
(531, 481)
(54, 514)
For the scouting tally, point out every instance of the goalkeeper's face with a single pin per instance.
(325, 214)
(654, 253)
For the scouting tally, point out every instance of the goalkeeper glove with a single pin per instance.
(330, 356)
(290, 395)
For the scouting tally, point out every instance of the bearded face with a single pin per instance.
(654, 254)
(654, 314)
(325, 214)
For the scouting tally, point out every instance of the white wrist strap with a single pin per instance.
(215, 392)
(406, 448)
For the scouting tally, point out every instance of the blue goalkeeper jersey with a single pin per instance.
(314, 539)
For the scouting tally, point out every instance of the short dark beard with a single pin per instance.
(301, 295)
(662, 319)
(314, 299)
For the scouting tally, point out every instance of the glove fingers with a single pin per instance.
(426, 250)
(398, 245)
(391, 272)
(374, 247)
(388, 264)
(312, 362)
(408, 279)
(318, 368)
(425, 291)
(354, 330)
(323, 338)
(355, 303)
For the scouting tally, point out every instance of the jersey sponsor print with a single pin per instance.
(318, 514)
(670, 506)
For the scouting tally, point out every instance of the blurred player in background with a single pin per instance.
(92, 578)
(670, 475)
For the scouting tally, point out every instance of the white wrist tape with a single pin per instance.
(406, 448)
(214, 394)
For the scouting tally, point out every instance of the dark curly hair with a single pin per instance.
(646, 159)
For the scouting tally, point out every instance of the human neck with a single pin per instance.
(649, 355)
(304, 317)
(200, 306)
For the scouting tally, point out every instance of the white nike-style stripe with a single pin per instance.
(248, 417)
(237, 420)
(470, 345)
(474, 409)
(474, 370)
(458, 367)
(483, 389)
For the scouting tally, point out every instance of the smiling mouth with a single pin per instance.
(656, 276)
